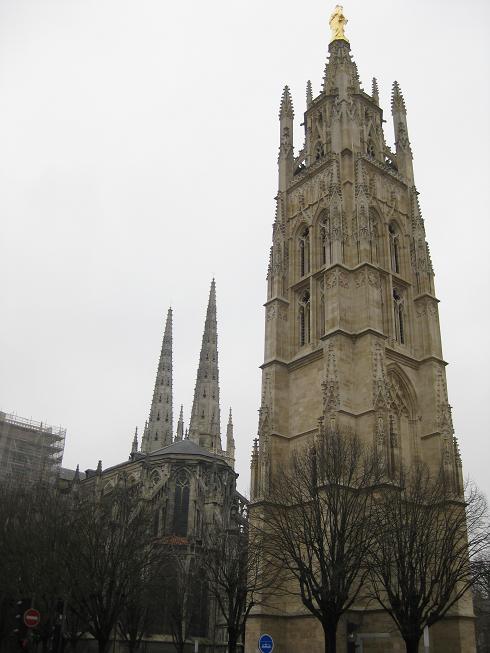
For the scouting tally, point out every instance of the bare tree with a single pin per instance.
(426, 540)
(185, 590)
(317, 526)
(109, 551)
(33, 537)
(235, 576)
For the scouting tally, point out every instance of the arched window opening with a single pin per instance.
(304, 252)
(304, 319)
(399, 316)
(394, 248)
(181, 504)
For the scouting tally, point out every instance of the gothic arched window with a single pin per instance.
(394, 247)
(325, 241)
(399, 316)
(181, 504)
(304, 252)
(304, 318)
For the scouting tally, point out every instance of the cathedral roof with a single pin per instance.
(185, 448)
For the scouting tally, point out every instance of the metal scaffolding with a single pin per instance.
(30, 451)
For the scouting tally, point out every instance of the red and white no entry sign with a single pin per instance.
(32, 618)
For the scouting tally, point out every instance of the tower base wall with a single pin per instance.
(376, 634)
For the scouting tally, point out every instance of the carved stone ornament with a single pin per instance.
(331, 394)
(337, 277)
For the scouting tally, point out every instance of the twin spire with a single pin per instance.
(159, 428)
(204, 428)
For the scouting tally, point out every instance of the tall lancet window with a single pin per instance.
(304, 252)
(399, 316)
(181, 504)
(394, 247)
(325, 241)
(304, 318)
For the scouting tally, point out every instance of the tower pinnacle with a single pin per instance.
(402, 142)
(180, 425)
(286, 110)
(204, 428)
(134, 445)
(230, 442)
(159, 431)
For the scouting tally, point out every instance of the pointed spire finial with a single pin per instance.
(180, 425)
(76, 476)
(397, 100)
(230, 441)
(337, 24)
(375, 90)
(309, 94)
(134, 445)
(286, 110)
(99, 467)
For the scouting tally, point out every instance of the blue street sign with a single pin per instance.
(266, 644)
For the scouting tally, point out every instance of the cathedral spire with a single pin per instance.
(180, 425)
(204, 428)
(160, 429)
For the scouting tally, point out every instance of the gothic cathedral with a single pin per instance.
(352, 336)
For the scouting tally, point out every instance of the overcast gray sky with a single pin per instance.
(138, 147)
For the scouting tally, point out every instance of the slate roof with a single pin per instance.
(186, 448)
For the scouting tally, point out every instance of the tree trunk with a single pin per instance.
(103, 643)
(232, 640)
(412, 644)
(330, 633)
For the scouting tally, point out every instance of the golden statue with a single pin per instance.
(337, 23)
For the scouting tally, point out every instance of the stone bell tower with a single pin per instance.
(352, 336)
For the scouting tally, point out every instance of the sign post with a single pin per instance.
(266, 644)
(32, 618)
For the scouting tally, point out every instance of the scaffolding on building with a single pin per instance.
(30, 451)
